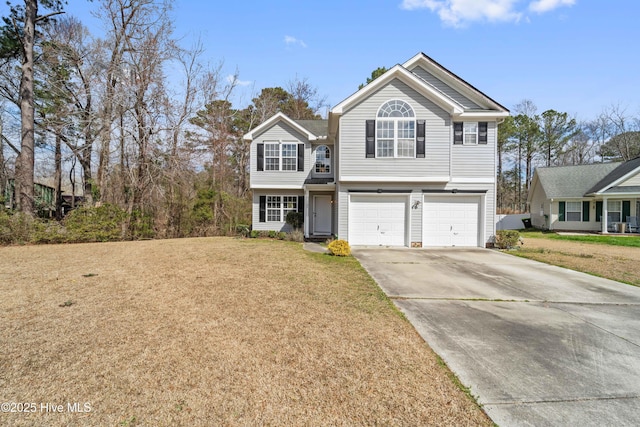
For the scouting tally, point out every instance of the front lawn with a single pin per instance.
(631, 240)
(612, 257)
(211, 331)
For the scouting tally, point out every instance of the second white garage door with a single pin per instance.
(451, 221)
(377, 220)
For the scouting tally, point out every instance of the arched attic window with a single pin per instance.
(395, 130)
(323, 160)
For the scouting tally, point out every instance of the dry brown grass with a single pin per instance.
(211, 331)
(613, 262)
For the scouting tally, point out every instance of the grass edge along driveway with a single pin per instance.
(611, 257)
(212, 331)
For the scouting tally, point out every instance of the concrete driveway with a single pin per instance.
(538, 345)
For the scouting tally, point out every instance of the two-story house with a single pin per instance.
(408, 160)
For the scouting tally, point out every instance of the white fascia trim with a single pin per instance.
(276, 187)
(483, 115)
(407, 77)
(349, 178)
(273, 120)
(473, 180)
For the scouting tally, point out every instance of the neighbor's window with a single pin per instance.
(323, 159)
(614, 210)
(574, 211)
(395, 130)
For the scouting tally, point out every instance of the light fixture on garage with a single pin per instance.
(416, 204)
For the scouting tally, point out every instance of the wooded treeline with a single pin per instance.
(133, 119)
(528, 139)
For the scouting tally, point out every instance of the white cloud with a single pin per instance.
(289, 40)
(458, 13)
(231, 79)
(542, 6)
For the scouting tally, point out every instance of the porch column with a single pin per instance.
(306, 213)
(605, 215)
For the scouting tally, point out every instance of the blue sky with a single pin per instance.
(578, 56)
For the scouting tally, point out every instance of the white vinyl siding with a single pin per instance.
(476, 161)
(351, 146)
(445, 88)
(280, 132)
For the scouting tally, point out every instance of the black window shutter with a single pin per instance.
(371, 138)
(457, 133)
(482, 133)
(585, 211)
(300, 157)
(598, 211)
(260, 157)
(561, 210)
(301, 204)
(420, 134)
(263, 208)
(626, 210)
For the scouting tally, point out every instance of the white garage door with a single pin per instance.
(377, 220)
(451, 221)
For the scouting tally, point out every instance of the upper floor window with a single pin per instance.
(280, 157)
(469, 133)
(395, 130)
(323, 159)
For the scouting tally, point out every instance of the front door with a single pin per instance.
(322, 215)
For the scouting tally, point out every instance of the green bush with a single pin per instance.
(339, 248)
(295, 219)
(16, 227)
(95, 224)
(507, 239)
(254, 234)
(243, 230)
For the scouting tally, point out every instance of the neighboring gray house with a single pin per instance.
(408, 160)
(595, 197)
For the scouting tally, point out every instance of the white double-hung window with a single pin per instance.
(278, 207)
(574, 211)
(395, 130)
(280, 157)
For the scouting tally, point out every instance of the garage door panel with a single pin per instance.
(451, 221)
(377, 220)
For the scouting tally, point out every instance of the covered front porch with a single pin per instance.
(619, 215)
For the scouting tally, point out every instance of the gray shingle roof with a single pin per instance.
(621, 170)
(316, 127)
(573, 181)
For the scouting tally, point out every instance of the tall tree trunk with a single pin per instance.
(58, 176)
(24, 179)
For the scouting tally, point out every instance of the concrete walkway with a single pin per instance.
(538, 345)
